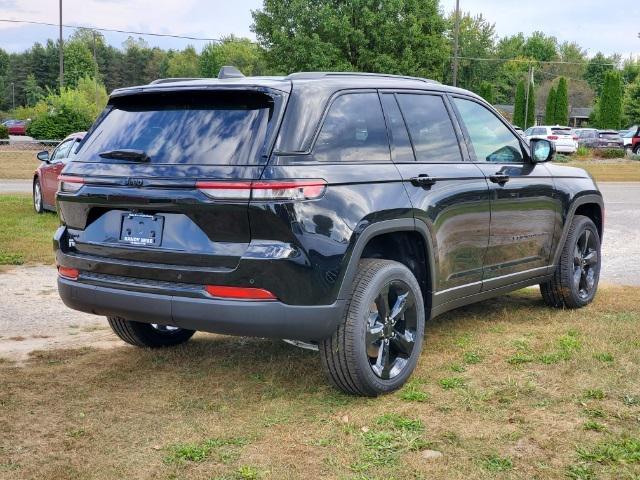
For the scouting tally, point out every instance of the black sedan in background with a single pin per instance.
(593, 138)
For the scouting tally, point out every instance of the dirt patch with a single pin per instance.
(32, 316)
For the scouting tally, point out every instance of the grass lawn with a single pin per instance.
(617, 171)
(25, 236)
(505, 389)
(18, 165)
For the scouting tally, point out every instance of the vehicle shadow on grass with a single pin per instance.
(252, 369)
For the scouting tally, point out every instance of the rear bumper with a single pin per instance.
(566, 148)
(230, 317)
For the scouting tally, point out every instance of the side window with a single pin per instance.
(430, 127)
(491, 140)
(62, 151)
(539, 131)
(353, 130)
(401, 150)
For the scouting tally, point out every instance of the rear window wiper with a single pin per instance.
(126, 154)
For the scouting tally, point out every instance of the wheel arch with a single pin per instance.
(591, 206)
(404, 240)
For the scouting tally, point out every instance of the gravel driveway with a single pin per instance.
(32, 316)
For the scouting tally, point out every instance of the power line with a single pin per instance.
(30, 22)
(529, 60)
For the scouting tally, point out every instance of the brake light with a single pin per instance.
(575, 138)
(68, 272)
(264, 190)
(69, 184)
(239, 293)
(552, 137)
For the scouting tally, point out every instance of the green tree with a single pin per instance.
(540, 47)
(184, 64)
(597, 67)
(78, 62)
(487, 92)
(561, 116)
(550, 111)
(519, 105)
(242, 53)
(531, 108)
(395, 36)
(476, 40)
(632, 103)
(33, 92)
(610, 102)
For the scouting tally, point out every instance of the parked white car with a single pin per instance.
(564, 138)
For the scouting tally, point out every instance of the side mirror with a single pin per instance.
(43, 156)
(541, 150)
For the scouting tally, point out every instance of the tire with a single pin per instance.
(38, 204)
(148, 335)
(367, 355)
(575, 282)
(636, 149)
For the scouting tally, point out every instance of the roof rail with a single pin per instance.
(316, 75)
(171, 80)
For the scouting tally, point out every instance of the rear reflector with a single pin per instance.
(264, 190)
(552, 137)
(68, 273)
(239, 293)
(67, 183)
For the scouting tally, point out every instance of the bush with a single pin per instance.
(582, 151)
(4, 132)
(72, 110)
(609, 153)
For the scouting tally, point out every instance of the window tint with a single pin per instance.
(491, 140)
(62, 151)
(353, 130)
(539, 131)
(400, 144)
(430, 127)
(201, 128)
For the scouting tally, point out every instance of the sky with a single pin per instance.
(610, 27)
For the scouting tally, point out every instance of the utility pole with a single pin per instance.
(95, 65)
(456, 35)
(61, 46)
(526, 102)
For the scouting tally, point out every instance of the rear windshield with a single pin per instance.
(610, 135)
(561, 131)
(200, 128)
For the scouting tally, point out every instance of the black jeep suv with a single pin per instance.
(341, 210)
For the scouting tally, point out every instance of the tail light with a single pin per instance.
(239, 293)
(69, 184)
(68, 272)
(264, 190)
(552, 137)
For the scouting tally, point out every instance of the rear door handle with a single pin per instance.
(423, 181)
(500, 178)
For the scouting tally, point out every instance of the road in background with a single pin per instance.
(15, 186)
(620, 258)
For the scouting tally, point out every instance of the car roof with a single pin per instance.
(76, 135)
(301, 80)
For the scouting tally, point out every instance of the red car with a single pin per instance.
(16, 127)
(45, 178)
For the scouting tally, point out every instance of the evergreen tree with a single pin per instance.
(487, 92)
(610, 102)
(32, 91)
(561, 116)
(632, 103)
(531, 108)
(550, 111)
(519, 106)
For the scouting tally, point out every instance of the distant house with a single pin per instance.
(578, 117)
